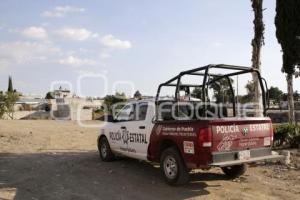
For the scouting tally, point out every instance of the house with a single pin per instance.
(62, 93)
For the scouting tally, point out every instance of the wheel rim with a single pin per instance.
(104, 150)
(170, 167)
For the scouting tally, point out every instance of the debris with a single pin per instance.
(236, 180)
(96, 182)
(291, 167)
(287, 155)
(277, 176)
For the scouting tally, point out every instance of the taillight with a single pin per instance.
(205, 137)
(268, 141)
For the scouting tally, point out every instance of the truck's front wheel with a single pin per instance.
(104, 150)
(235, 171)
(173, 167)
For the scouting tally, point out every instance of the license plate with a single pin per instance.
(244, 155)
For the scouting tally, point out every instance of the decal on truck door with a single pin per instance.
(183, 131)
(127, 137)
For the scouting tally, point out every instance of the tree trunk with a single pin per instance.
(257, 43)
(289, 79)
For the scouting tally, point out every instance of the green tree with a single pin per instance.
(49, 95)
(284, 97)
(2, 104)
(275, 94)
(197, 93)
(222, 91)
(257, 42)
(287, 22)
(137, 95)
(7, 102)
(296, 96)
(10, 85)
(110, 100)
(250, 87)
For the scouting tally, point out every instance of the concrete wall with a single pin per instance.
(73, 112)
(282, 116)
(29, 115)
(82, 114)
(72, 108)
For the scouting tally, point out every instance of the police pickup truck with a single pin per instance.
(185, 133)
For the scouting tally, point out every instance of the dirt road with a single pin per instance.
(58, 160)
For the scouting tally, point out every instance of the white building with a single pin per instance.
(62, 93)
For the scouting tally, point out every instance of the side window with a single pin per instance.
(165, 111)
(141, 111)
(126, 114)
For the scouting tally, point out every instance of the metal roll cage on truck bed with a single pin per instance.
(204, 71)
(170, 131)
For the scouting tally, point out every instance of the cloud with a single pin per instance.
(112, 42)
(105, 55)
(217, 44)
(61, 11)
(75, 61)
(3, 63)
(26, 52)
(35, 33)
(77, 34)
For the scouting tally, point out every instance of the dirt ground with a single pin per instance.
(59, 160)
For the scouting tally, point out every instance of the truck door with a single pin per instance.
(139, 131)
(120, 136)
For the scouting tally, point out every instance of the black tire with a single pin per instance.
(235, 171)
(105, 152)
(178, 174)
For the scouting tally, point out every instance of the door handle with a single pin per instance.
(123, 127)
(142, 127)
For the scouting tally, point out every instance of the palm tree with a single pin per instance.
(257, 43)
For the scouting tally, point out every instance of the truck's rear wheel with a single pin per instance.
(235, 171)
(173, 167)
(104, 150)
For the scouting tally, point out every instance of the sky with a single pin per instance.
(97, 47)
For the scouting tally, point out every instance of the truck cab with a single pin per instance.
(193, 130)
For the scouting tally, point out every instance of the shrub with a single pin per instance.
(286, 135)
(7, 102)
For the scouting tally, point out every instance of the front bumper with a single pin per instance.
(223, 159)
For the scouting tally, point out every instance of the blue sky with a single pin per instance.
(143, 42)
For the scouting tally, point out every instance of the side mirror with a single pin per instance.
(153, 120)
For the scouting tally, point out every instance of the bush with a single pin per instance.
(286, 135)
(7, 102)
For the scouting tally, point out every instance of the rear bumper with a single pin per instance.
(230, 158)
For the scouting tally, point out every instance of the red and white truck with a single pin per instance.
(185, 133)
